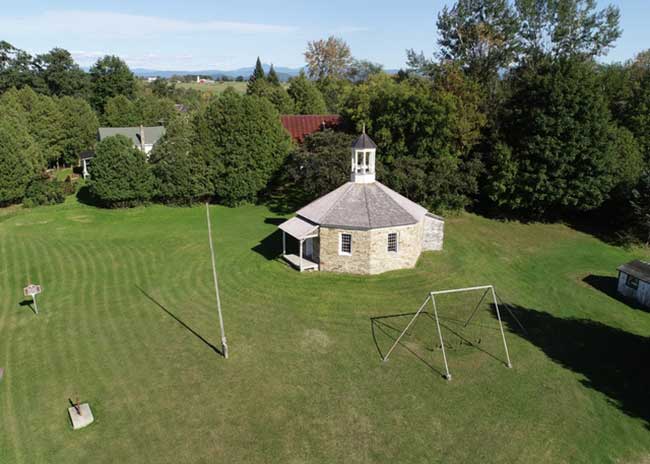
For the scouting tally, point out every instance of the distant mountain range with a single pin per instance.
(284, 73)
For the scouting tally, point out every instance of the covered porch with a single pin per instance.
(305, 233)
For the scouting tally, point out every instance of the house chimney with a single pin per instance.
(142, 138)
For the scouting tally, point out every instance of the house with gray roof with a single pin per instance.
(143, 138)
(362, 227)
(634, 281)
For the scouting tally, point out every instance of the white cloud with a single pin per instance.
(108, 25)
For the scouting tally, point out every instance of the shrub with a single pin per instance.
(44, 191)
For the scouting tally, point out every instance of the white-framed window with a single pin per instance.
(392, 242)
(345, 244)
(632, 282)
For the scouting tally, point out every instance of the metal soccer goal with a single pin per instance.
(431, 298)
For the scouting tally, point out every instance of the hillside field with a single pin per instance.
(217, 87)
(128, 323)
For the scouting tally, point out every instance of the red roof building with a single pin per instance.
(300, 125)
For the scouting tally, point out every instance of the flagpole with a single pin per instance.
(224, 343)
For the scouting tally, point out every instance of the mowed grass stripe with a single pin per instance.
(305, 382)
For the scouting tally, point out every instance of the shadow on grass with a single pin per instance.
(449, 326)
(84, 196)
(612, 361)
(609, 286)
(271, 246)
(183, 324)
(29, 304)
(377, 324)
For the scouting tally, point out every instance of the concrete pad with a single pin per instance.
(81, 421)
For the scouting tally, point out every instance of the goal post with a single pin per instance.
(431, 297)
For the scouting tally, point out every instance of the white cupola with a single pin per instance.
(363, 159)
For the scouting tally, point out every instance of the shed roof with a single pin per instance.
(301, 125)
(363, 206)
(298, 227)
(151, 134)
(638, 269)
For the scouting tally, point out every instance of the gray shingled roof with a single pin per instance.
(363, 206)
(151, 134)
(364, 142)
(638, 269)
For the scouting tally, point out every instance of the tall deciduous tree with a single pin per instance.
(638, 115)
(640, 203)
(120, 174)
(306, 97)
(425, 137)
(110, 77)
(479, 35)
(119, 111)
(328, 58)
(557, 151)
(244, 145)
(320, 164)
(567, 28)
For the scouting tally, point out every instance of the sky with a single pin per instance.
(214, 34)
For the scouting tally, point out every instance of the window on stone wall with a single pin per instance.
(632, 282)
(392, 242)
(346, 244)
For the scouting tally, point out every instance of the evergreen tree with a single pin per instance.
(80, 126)
(121, 176)
(62, 75)
(181, 176)
(17, 169)
(244, 144)
(273, 77)
(110, 77)
(44, 121)
(257, 76)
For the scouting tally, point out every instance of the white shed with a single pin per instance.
(634, 281)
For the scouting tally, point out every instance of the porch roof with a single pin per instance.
(299, 228)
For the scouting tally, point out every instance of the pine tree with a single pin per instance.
(257, 76)
(273, 77)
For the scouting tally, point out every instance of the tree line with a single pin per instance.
(513, 117)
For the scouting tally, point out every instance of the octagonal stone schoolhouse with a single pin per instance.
(362, 227)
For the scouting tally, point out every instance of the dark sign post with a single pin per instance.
(32, 290)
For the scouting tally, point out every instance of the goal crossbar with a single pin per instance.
(432, 298)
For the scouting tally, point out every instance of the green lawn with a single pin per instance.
(128, 323)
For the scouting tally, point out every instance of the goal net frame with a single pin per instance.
(431, 297)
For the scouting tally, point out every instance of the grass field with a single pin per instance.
(128, 324)
(217, 87)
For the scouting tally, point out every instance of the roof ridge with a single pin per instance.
(384, 192)
(365, 199)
